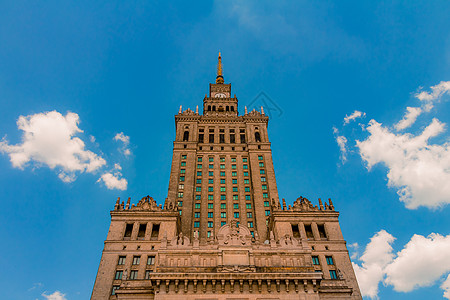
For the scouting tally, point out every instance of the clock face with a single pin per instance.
(220, 95)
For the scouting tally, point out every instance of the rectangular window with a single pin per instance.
(136, 260)
(249, 215)
(222, 166)
(236, 205)
(199, 159)
(235, 197)
(322, 233)
(211, 181)
(211, 138)
(182, 171)
(264, 187)
(222, 181)
(148, 274)
(235, 189)
(180, 194)
(221, 138)
(211, 159)
(233, 167)
(245, 167)
(211, 166)
(197, 205)
(247, 189)
(222, 173)
(210, 215)
(223, 214)
(183, 156)
(246, 174)
(199, 181)
(223, 197)
(246, 181)
(181, 178)
(262, 171)
(247, 197)
(210, 189)
(242, 138)
(183, 163)
(196, 224)
(223, 206)
(333, 274)
(266, 203)
(208, 234)
(263, 179)
(250, 224)
(211, 173)
(198, 189)
(234, 181)
(244, 159)
(260, 157)
(199, 173)
(133, 275)
(234, 174)
(210, 224)
(180, 203)
(267, 212)
(210, 197)
(222, 159)
(265, 195)
(330, 260)
(233, 159)
(128, 231)
(142, 229)
(248, 206)
(121, 260)
(198, 197)
(315, 260)
(222, 189)
(232, 138)
(210, 205)
(309, 233)
(115, 287)
(199, 166)
(261, 165)
(236, 215)
(181, 186)
(222, 223)
(118, 275)
(196, 215)
(155, 232)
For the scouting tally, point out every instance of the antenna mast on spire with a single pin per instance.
(219, 78)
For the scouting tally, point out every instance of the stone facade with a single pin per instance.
(222, 232)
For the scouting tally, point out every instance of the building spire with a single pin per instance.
(219, 78)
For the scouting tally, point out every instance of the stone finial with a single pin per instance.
(128, 203)
(196, 110)
(116, 207)
(331, 204)
(246, 110)
(320, 204)
(181, 109)
(284, 204)
(262, 110)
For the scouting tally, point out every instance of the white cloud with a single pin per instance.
(117, 166)
(410, 117)
(421, 262)
(437, 91)
(125, 140)
(356, 114)
(50, 139)
(420, 171)
(342, 143)
(57, 295)
(112, 181)
(377, 255)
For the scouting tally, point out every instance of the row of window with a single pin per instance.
(309, 231)
(329, 260)
(222, 159)
(141, 232)
(223, 215)
(136, 260)
(210, 224)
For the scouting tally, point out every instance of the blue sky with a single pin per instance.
(98, 85)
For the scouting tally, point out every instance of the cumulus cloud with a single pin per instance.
(126, 142)
(57, 295)
(356, 114)
(113, 181)
(421, 262)
(50, 139)
(377, 255)
(419, 170)
(428, 99)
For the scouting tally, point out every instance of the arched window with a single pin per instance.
(257, 137)
(214, 108)
(232, 108)
(227, 108)
(186, 136)
(209, 107)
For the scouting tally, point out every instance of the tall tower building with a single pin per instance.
(222, 232)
